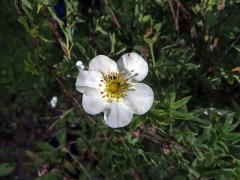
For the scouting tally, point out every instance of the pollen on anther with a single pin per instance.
(116, 85)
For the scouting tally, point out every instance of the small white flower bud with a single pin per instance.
(53, 101)
(80, 65)
(219, 113)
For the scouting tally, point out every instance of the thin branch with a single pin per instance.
(70, 96)
(235, 40)
(21, 12)
(114, 18)
(55, 29)
(79, 164)
(62, 116)
(184, 10)
(202, 7)
(175, 18)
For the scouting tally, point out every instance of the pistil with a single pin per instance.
(114, 87)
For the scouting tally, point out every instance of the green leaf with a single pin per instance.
(179, 177)
(70, 167)
(44, 2)
(113, 41)
(232, 137)
(138, 122)
(80, 143)
(158, 27)
(146, 18)
(236, 106)
(180, 103)
(171, 95)
(131, 139)
(211, 18)
(180, 115)
(204, 123)
(42, 146)
(6, 169)
(61, 137)
(50, 176)
(27, 3)
(229, 126)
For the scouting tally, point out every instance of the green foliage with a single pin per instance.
(50, 176)
(192, 48)
(6, 169)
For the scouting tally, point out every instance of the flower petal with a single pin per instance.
(88, 79)
(134, 64)
(116, 115)
(103, 64)
(140, 99)
(92, 102)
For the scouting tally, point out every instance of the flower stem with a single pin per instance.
(152, 55)
(79, 164)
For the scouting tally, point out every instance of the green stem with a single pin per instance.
(79, 164)
(152, 55)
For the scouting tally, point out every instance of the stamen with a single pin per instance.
(116, 85)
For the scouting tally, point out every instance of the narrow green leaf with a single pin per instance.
(27, 3)
(180, 115)
(50, 176)
(180, 103)
(6, 169)
(42, 146)
(61, 137)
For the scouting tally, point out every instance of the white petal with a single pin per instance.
(103, 64)
(93, 103)
(88, 79)
(134, 64)
(116, 115)
(54, 101)
(140, 99)
(80, 65)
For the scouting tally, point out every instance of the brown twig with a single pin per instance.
(175, 17)
(114, 18)
(62, 116)
(186, 14)
(202, 7)
(235, 40)
(73, 99)
(21, 12)
(66, 93)
(184, 10)
(55, 29)
(79, 164)
(136, 175)
(152, 133)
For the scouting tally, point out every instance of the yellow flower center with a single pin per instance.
(115, 87)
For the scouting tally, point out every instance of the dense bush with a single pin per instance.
(193, 52)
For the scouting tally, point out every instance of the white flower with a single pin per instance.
(205, 112)
(114, 88)
(219, 113)
(80, 65)
(53, 101)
